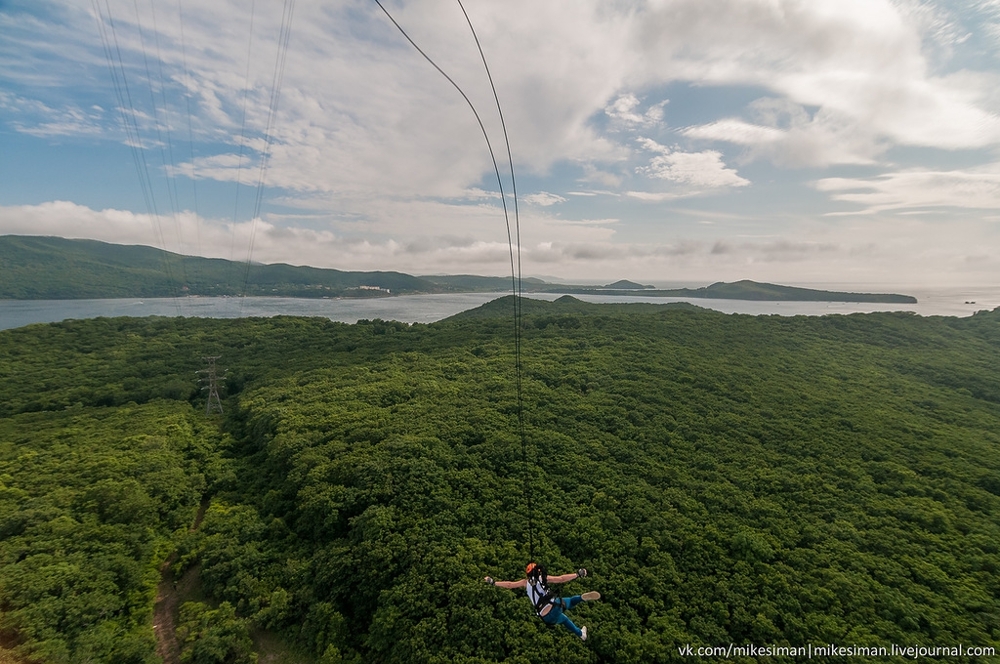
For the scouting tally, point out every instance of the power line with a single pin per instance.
(169, 169)
(127, 108)
(187, 98)
(284, 35)
(243, 125)
(116, 66)
(172, 169)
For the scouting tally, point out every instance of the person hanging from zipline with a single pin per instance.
(548, 605)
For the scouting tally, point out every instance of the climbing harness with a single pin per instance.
(542, 597)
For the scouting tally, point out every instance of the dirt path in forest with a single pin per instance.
(8, 657)
(9, 641)
(168, 600)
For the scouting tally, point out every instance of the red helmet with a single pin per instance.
(531, 566)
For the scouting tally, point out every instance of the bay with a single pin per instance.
(429, 308)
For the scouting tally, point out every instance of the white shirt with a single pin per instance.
(535, 594)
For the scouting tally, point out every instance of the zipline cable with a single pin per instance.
(515, 274)
(516, 290)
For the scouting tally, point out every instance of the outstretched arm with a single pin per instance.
(565, 578)
(509, 585)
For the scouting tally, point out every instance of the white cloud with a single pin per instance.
(183, 233)
(30, 116)
(734, 130)
(786, 134)
(939, 27)
(360, 108)
(375, 240)
(388, 157)
(873, 248)
(544, 199)
(859, 61)
(919, 189)
(652, 196)
(481, 194)
(623, 111)
(700, 170)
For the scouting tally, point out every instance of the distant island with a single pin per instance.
(53, 268)
(746, 290)
(625, 284)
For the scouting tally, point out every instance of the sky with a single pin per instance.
(663, 141)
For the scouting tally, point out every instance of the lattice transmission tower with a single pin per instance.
(210, 376)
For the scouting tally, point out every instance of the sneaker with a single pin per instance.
(583, 636)
(591, 596)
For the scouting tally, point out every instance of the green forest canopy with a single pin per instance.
(725, 478)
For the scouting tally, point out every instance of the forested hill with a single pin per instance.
(563, 309)
(40, 268)
(56, 268)
(726, 479)
(749, 290)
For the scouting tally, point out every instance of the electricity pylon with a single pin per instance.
(211, 377)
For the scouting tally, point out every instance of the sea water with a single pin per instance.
(430, 308)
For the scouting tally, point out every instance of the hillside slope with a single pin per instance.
(41, 268)
(56, 268)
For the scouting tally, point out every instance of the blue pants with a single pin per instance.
(557, 617)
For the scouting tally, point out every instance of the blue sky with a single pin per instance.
(664, 141)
